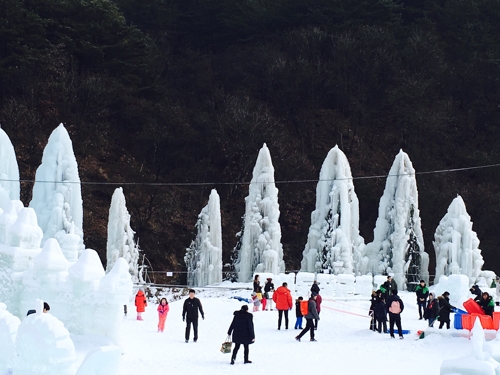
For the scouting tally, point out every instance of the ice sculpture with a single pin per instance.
(9, 325)
(9, 172)
(121, 236)
(57, 197)
(333, 242)
(456, 244)
(260, 248)
(398, 246)
(204, 256)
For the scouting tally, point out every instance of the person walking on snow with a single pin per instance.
(312, 313)
(432, 309)
(422, 293)
(298, 313)
(395, 306)
(444, 310)
(190, 314)
(268, 289)
(140, 303)
(163, 309)
(283, 300)
(243, 332)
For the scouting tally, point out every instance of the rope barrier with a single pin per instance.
(249, 183)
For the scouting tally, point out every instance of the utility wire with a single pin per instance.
(248, 183)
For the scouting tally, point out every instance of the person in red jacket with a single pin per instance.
(140, 303)
(163, 309)
(283, 300)
(318, 308)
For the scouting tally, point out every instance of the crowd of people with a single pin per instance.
(385, 306)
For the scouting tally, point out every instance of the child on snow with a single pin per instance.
(163, 309)
(256, 302)
(298, 313)
(140, 303)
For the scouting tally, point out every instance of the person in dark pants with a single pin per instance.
(432, 310)
(283, 300)
(380, 312)
(371, 311)
(395, 306)
(312, 313)
(444, 310)
(190, 314)
(422, 293)
(243, 332)
(315, 287)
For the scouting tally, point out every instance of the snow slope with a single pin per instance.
(345, 344)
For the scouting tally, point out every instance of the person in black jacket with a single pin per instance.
(268, 288)
(477, 292)
(395, 307)
(487, 304)
(380, 312)
(432, 309)
(444, 310)
(315, 287)
(190, 314)
(298, 313)
(312, 313)
(371, 312)
(243, 332)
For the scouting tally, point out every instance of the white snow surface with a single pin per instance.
(57, 196)
(121, 242)
(261, 249)
(456, 244)
(344, 340)
(398, 207)
(333, 242)
(204, 256)
(9, 172)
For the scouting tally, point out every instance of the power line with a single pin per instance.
(249, 182)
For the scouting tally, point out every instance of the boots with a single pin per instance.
(232, 359)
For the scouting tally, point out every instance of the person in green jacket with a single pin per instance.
(422, 294)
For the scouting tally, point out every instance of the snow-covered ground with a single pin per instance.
(345, 344)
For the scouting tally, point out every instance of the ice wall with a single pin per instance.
(57, 197)
(121, 242)
(398, 245)
(9, 172)
(9, 325)
(333, 243)
(456, 244)
(260, 246)
(204, 256)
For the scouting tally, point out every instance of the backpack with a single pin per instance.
(395, 307)
(304, 307)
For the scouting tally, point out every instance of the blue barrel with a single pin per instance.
(460, 312)
(457, 322)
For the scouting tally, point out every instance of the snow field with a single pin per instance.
(345, 343)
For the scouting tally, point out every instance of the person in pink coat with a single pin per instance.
(163, 309)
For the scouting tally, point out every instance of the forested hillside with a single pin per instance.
(187, 91)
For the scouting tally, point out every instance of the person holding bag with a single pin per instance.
(243, 332)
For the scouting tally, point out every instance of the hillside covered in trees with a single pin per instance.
(187, 91)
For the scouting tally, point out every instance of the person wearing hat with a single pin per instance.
(312, 313)
(431, 310)
(268, 290)
(444, 310)
(395, 307)
(242, 331)
(477, 292)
